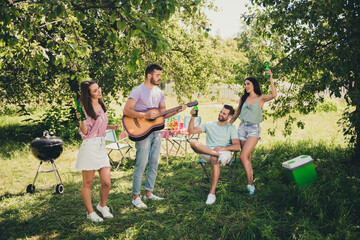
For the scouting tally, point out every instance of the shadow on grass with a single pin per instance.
(328, 209)
(45, 214)
(16, 136)
(51, 215)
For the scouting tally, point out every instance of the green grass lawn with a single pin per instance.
(279, 209)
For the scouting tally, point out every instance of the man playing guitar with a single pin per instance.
(142, 98)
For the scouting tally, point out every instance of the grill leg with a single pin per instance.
(56, 172)
(41, 162)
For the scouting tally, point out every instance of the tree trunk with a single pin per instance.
(357, 149)
(357, 137)
(356, 116)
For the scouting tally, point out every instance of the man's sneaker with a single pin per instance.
(105, 211)
(138, 203)
(251, 189)
(210, 199)
(153, 197)
(94, 217)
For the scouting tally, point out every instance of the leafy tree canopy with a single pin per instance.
(109, 41)
(320, 42)
(48, 47)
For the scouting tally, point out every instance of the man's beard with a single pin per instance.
(221, 119)
(152, 81)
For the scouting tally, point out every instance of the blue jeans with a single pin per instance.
(147, 153)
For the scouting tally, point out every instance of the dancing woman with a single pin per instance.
(250, 111)
(92, 154)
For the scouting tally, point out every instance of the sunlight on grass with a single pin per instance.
(278, 210)
(161, 209)
(131, 232)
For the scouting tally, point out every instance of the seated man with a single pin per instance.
(221, 138)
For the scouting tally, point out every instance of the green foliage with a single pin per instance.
(71, 41)
(318, 42)
(327, 106)
(48, 47)
(61, 121)
(10, 110)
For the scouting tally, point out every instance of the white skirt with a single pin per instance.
(92, 155)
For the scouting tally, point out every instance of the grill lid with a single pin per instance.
(48, 147)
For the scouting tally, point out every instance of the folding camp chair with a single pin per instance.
(177, 141)
(230, 165)
(122, 145)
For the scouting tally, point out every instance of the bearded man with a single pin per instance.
(142, 98)
(221, 138)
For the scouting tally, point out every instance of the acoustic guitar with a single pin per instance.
(139, 128)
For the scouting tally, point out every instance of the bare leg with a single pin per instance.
(104, 174)
(242, 143)
(215, 174)
(201, 148)
(88, 179)
(246, 148)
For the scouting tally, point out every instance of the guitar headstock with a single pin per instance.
(191, 104)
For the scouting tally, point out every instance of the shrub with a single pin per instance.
(328, 106)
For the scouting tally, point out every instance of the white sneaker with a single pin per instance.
(105, 211)
(153, 197)
(138, 203)
(211, 198)
(251, 189)
(94, 217)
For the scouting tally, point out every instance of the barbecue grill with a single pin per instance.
(47, 149)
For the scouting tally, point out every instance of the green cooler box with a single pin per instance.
(301, 169)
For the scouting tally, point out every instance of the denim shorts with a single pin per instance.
(247, 129)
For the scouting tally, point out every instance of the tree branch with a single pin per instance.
(12, 2)
(110, 4)
(60, 20)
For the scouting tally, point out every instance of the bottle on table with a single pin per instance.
(175, 124)
(169, 123)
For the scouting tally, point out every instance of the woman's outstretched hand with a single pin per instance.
(268, 72)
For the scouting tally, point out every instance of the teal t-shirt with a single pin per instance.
(218, 136)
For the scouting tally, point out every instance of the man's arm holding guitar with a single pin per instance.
(130, 112)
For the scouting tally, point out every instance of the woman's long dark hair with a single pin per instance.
(85, 99)
(256, 90)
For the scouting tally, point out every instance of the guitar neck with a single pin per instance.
(171, 110)
(175, 109)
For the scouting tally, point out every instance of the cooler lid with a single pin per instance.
(298, 162)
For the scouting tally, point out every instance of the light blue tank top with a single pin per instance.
(251, 113)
